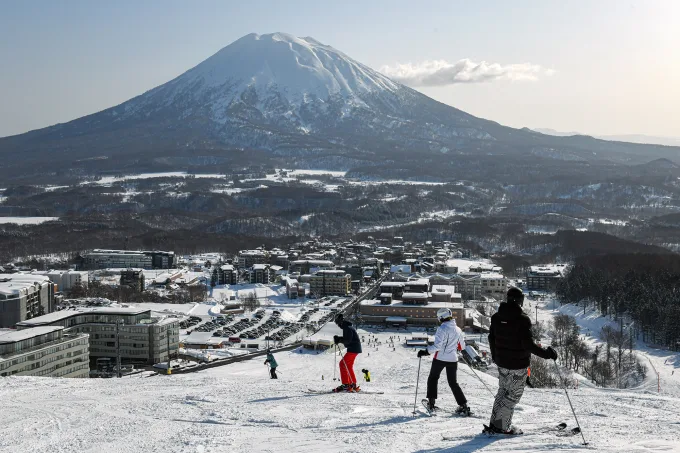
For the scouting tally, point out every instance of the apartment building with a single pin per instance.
(544, 277)
(105, 259)
(260, 273)
(469, 285)
(65, 279)
(143, 339)
(248, 258)
(24, 296)
(227, 275)
(493, 284)
(310, 266)
(330, 283)
(44, 351)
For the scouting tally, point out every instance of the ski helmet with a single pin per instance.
(444, 314)
(516, 296)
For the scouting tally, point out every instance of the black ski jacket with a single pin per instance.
(350, 338)
(510, 338)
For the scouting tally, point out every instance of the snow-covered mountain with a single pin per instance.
(289, 96)
(270, 91)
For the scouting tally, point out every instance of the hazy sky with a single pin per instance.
(598, 67)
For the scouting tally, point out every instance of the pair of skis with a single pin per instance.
(366, 392)
(560, 430)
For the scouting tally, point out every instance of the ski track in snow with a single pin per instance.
(237, 408)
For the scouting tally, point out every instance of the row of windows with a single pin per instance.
(84, 367)
(47, 351)
(38, 368)
(123, 352)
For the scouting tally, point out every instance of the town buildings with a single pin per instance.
(248, 258)
(133, 278)
(330, 283)
(544, 277)
(144, 339)
(227, 275)
(65, 280)
(44, 351)
(24, 296)
(414, 301)
(105, 259)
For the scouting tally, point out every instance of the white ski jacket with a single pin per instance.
(448, 341)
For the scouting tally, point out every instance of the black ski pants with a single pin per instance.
(433, 380)
(272, 372)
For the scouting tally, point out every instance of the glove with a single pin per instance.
(552, 353)
(423, 352)
(336, 339)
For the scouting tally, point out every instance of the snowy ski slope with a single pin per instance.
(238, 409)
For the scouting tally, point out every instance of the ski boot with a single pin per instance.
(342, 388)
(354, 388)
(430, 406)
(493, 430)
(463, 410)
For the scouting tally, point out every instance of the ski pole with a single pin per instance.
(335, 362)
(571, 405)
(342, 360)
(477, 376)
(415, 401)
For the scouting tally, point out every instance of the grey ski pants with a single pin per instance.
(510, 390)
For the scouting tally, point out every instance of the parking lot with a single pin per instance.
(266, 327)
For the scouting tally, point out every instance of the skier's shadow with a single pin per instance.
(387, 421)
(276, 398)
(472, 445)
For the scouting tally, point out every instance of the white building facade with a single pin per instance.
(44, 351)
(24, 296)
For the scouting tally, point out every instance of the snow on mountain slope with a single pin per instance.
(274, 92)
(275, 73)
(236, 408)
(294, 98)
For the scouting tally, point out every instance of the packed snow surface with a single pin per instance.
(27, 220)
(237, 408)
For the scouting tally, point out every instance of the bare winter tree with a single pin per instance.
(250, 303)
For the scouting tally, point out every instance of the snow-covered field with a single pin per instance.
(171, 174)
(27, 220)
(236, 408)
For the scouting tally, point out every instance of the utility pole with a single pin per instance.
(169, 370)
(120, 372)
(536, 312)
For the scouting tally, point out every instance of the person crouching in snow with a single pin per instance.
(350, 338)
(511, 343)
(367, 375)
(272, 364)
(447, 342)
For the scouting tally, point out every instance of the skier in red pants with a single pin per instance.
(352, 343)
